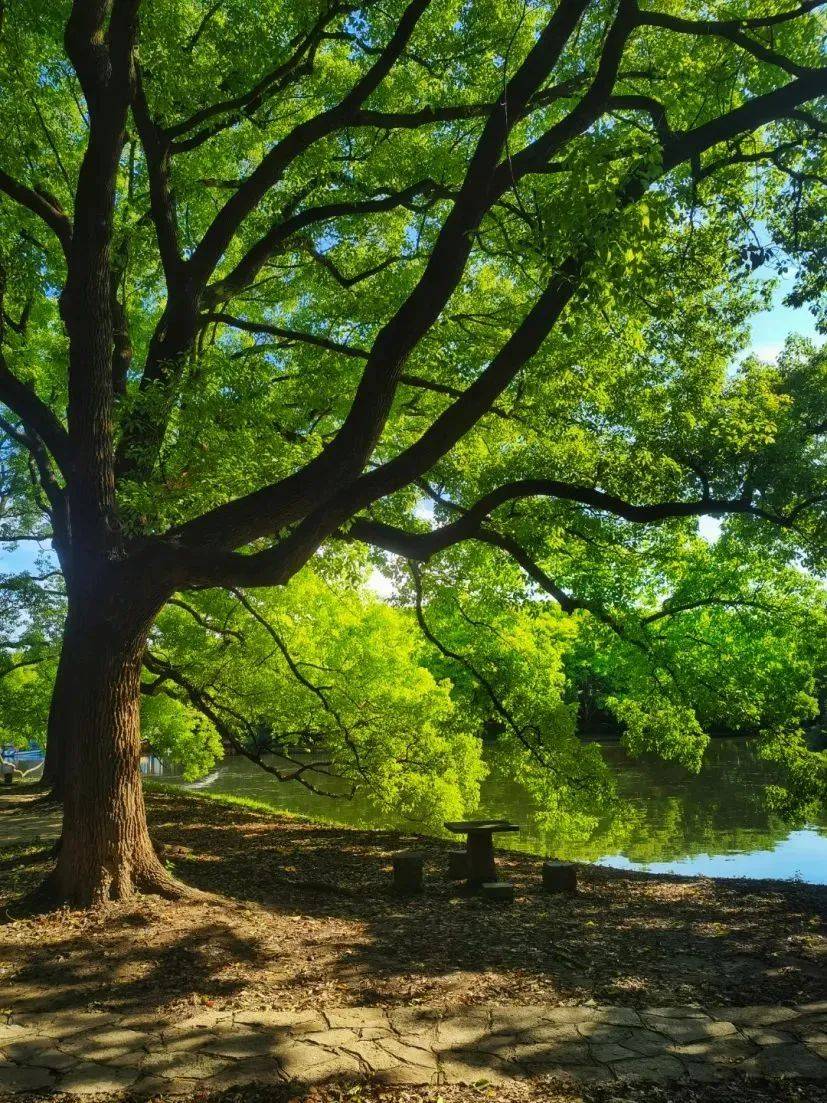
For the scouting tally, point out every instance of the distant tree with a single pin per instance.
(32, 607)
(273, 273)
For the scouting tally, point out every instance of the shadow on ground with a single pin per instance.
(306, 918)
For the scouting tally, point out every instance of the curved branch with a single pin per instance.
(499, 705)
(37, 418)
(672, 608)
(293, 666)
(45, 206)
(287, 334)
(206, 706)
(247, 103)
(202, 621)
(248, 267)
(223, 228)
(155, 144)
(422, 545)
(733, 31)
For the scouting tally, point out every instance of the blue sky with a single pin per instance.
(22, 558)
(771, 327)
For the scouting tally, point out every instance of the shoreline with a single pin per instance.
(253, 805)
(161, 788)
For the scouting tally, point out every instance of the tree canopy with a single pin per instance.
(294, 287)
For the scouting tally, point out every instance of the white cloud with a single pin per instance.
(769, 351)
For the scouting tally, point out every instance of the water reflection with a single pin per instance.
(712, 823)
(802, 855)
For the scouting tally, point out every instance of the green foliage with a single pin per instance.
(664, 728)
(506, 659)
(31, 614)
(24, 701)
(799, 787)
(180, 736)
(644, 391)
(323, 675)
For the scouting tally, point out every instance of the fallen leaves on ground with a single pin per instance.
(733, 1090)
(303, 915)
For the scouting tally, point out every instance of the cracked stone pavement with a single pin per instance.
(94, 1052)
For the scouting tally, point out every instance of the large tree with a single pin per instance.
(273, 274)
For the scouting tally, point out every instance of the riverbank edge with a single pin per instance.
(298, 915)
(250, 804)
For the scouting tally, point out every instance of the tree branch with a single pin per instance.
(236, 522)
(248, 267)
(290, 335)
(672, 608)
(247, 103)
(202, 621)
(224, 226)
(324, 483)
(156, 149)
(207, 707)
(733, 31)
(45, 206)
(424, 545)
(35, 415)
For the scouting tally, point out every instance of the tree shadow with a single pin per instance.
(306, 917)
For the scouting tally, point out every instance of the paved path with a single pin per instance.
(90, 1052)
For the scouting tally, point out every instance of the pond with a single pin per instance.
(712, 823)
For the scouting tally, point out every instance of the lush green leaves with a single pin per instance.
(645, 389)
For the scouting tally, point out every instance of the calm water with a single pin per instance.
(712, 823)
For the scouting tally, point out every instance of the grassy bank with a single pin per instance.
(161, 788)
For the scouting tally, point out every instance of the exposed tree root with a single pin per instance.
(107, 888)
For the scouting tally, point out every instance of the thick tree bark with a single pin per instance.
(106, 853)
(54, 761)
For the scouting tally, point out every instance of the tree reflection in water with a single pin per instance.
(664, 813)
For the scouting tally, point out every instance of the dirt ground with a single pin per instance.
(303, 915)
(729, 1091)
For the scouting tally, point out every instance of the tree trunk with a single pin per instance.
(54, 762)
(105, 852)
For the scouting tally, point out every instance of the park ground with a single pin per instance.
(299, 916)
(729, 1091)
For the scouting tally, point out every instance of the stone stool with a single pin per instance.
(501, 892)
(559, 877)
(407, 872)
